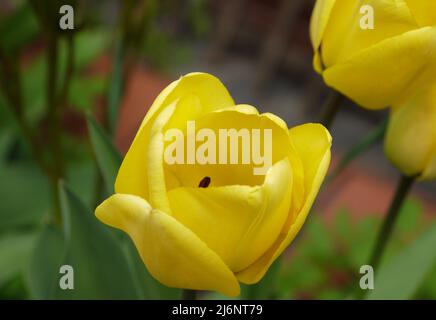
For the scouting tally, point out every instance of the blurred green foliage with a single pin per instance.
(18, 29)
(401, 276)
(324, 263)
(35, 239)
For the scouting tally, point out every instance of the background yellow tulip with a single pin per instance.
(376, 67)
(211, 238)
(411, 137)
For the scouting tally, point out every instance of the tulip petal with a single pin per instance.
(430, 170)
(208, 89)
(210, 94)
(317, 62)
(312, 142)
(318, 22)
(240, 117)
(345, 36)
(157, 191)
(173, 254)
(387, 72)
(237, 222)
(424, 11)
(410, 141)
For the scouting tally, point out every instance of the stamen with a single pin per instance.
(204, 183)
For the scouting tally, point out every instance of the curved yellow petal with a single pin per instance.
(312, 142)
(157, 190)
(387, 72)
(344, 35)
(241, 108)
(318, 22)
(207, 88)
(173, 254)
(317, 62)
(240, 118)
(210, 94)
(424, 11)
(410, 141)
(237, 222)
(430, 170)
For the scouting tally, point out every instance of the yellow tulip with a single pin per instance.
(376, 67)
(213, 238)
(411, 137)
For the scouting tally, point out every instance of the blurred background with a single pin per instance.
(110, 67)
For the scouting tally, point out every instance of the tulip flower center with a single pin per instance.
(230, 148)
(204, 183)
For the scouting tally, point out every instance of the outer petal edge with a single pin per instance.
(173, 254)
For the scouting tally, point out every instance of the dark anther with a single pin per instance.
(204, 183)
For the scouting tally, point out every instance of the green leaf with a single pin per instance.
(100, 268)
(84, 91)
(318, 240)
(409, 216)
(14, 289)
(18, 29)
(302, 276)
(343, 226)
(330, 294)
(88, 46)
(363, 240)
(15, 250)
(79, 171)
(33, 84)
(266, 288)
(400, 277)
(108, 158)
(156, 46)
(428, 290)
(6, 115)
(43, 271)
(6, 140)
(217, 296)
(362, 146)
(115, 86)
(199, 17)
(24, 194)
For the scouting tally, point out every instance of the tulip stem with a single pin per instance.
(330, 108)
(189, 294)
(403, 188)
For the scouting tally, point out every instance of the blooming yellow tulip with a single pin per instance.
(376, 64)
(411, 137)
(210, 226)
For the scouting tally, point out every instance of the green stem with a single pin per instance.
(10, 81)
(64, 92)
(189, 294)
(54, 118)
(56, 201)
(53, 108)
(331, 108)
(385, 232)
